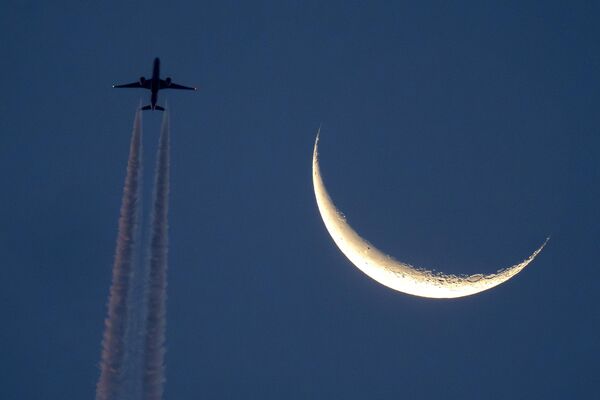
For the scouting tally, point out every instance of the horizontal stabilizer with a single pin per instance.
(149, 107)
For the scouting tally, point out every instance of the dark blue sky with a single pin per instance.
(455, 138)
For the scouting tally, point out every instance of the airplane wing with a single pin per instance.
(137, 84)
(170, 85)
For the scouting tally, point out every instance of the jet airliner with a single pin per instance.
(154, 84)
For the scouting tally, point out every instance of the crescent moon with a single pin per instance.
(396, 274)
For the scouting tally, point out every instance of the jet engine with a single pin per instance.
(142, 81)
(168, 81)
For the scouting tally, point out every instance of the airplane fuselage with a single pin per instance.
(155, 84)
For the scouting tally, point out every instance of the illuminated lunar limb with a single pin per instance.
(396, 274)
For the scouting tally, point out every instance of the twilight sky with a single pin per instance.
(453, 137)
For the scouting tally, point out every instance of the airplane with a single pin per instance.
(154, 85)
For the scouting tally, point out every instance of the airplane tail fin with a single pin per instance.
(157, 107)
(148, 107)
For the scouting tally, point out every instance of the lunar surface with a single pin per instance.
(396, 274)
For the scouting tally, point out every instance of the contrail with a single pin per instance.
(154, 352)
(131, 386)
(116, 324)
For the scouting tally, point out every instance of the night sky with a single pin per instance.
(453, 137)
